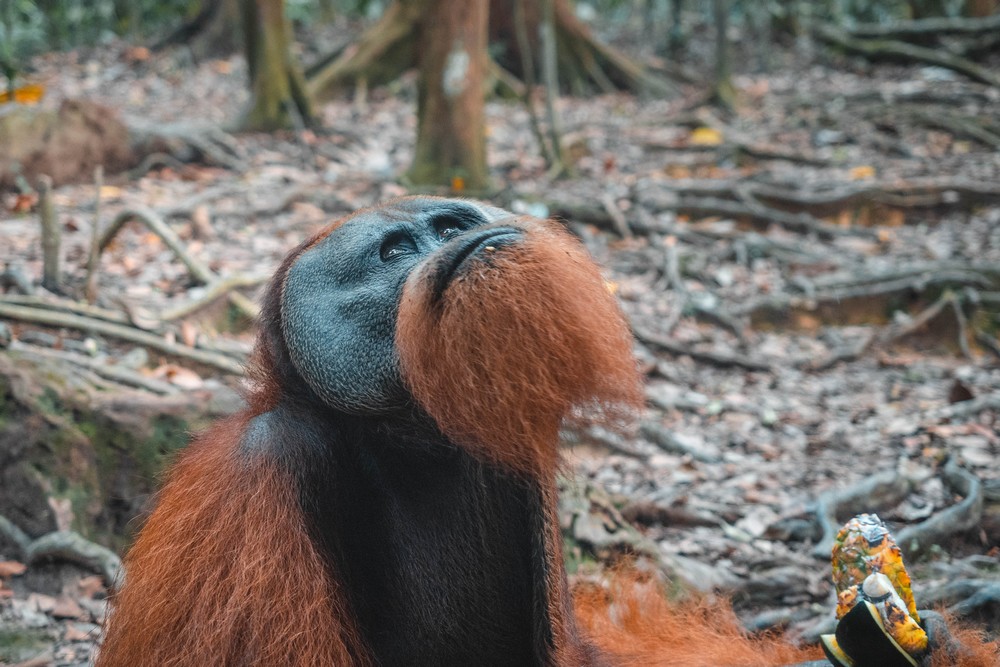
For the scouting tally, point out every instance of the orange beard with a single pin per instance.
(523, 339)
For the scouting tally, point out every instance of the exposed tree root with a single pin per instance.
(384, 51)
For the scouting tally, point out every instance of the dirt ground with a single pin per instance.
(814, 283)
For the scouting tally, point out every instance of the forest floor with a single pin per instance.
(814, 283)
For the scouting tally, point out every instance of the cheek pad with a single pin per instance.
(341, 339)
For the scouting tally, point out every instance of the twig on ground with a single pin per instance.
(966, 409)
(219, 288)
(665, 439)
(851, 352)
(198, 269)
(119, 374)
(714, 358)
(612, 441)
(94, 254)
(66, 306)
(51, 235)
(83, 323)
(617, 217)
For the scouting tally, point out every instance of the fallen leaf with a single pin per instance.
(24, 202)
(67, 607)
(189, 333)
(62, 508)
(185, 378)
(30, 94)
(91, 587)
(75, 634)
(11, 568)
(705, 136)
(137, 54)
(862, 172)
(42, 603)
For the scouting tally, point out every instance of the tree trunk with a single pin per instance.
(386, 50)
(278, 96)
(451, 136)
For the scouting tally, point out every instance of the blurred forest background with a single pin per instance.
(798, 204)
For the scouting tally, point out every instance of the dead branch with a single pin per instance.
(130, 334)
(199, 270)
(797, 222)
(915, 94)
(847, 353)
(985, 273)
(219, 288)
(931, 27)
(665, 439)
(51, 235)
(851, 285)
(65, 306)
(966, 409)
(916, 540)
(119, 374)
(185, 208)
(888, 49)
(714, 358)
(921, 192)
(613, 441)
(93, 254)
(963, 326)
(616, 215)
(744, 144)
(959, 126)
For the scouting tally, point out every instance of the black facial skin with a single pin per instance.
(440, 553)
(341, 297)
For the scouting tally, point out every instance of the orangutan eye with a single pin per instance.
(396, 244)
(447, 227)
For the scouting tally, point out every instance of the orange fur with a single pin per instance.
(967, 647)
(633, 621)
(519, 343)
(224, 572)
